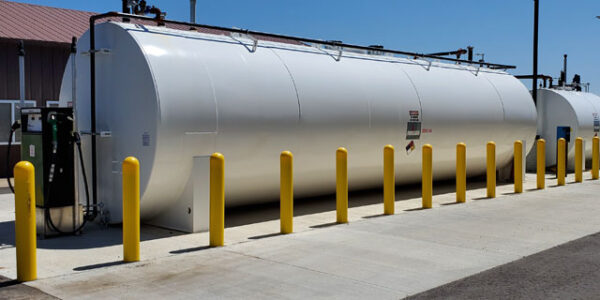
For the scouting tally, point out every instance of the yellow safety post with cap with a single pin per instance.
(341, 185)
(595, 156)
(561, 162)
(286, 192)
(25, 230)
(579, 159)
(541, 164)
(217, 200)
(131, 209)
(491, 170)
(427, 176)
(389, 180)
(461, 172)
(518, 166)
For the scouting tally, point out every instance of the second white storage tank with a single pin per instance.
(568, 114)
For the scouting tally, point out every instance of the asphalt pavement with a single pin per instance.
(568, 271)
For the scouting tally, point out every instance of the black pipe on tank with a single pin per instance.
(470, 53)
(93, 114)
(565, 68)
(21, 48)
(126, 9)
(536, 12)
(73, 45)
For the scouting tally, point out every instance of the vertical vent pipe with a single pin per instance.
(192, 11)
(21, 48)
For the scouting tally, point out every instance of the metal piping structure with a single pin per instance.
(159, 20)
(93, 112)
(193, 11)
(536, 10)
(565, 69)
(470, 53)
(458, 53)
(545, 78)
(22, 73)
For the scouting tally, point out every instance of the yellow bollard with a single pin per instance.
(131, 209)
(341, 185)
(427, 176)
(461, 172)
(286, 192)
(25, 230)
(389, 181)
(578, 160)
(491, 170)
(217, 200)
(595, 154)
(560, 162)
(518, 167)
(541, 164)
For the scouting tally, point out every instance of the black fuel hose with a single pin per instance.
(86, 217)
(48, 217)
(16, 125)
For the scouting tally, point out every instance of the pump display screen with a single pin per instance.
(34, 122)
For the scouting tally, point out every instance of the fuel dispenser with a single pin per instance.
(48, 142)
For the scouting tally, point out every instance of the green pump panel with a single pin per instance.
(47, 142)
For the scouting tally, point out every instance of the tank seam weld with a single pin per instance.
(293, 83)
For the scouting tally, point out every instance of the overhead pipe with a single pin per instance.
(458, 53)
(159, 18)
(545, 78)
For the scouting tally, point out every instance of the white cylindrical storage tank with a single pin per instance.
(568, 113)
(167, 96)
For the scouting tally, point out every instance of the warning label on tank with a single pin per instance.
(596, 122)
(413, 130)
(414, 115)
(413, 127)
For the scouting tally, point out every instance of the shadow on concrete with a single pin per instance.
(7, 234)
(451, 203)
(249, 214)
(101, 265)
(264, 236)
(181, 251)
(8, 282)
(374, 216)
(327, 225)
(93, 236)
(510, 193)
(416, 209)
(482, 198)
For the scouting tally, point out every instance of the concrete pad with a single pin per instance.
(374, 255)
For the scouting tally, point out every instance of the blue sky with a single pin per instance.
(502, 29)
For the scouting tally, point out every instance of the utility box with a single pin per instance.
(47, 142)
